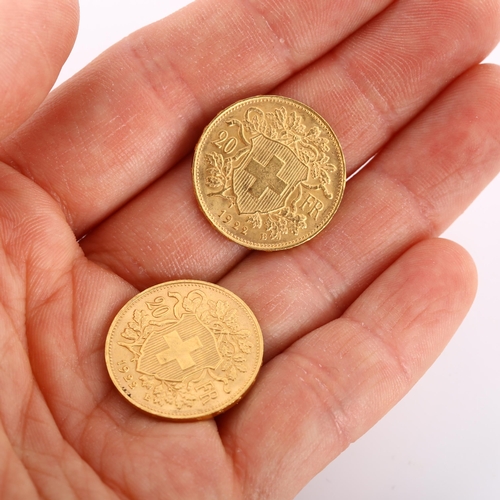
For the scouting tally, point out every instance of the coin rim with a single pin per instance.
(199, 415)
(269, 247)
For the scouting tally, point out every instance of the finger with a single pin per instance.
(392, 68)
(162, 235)
(413, 189)
(36, 38)
(330, 387)
(139, 108)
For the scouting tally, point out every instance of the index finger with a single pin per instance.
(137, 109)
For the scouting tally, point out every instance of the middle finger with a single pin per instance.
(367, 88)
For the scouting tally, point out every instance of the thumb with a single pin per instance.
(36, 37)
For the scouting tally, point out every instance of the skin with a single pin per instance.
(351, 320)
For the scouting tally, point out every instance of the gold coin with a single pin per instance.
(269, 172)
(184, 350)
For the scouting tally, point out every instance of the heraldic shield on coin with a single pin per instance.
(184, 350)
(269, 172)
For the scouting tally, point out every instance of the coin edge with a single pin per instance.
(187, 418)
(262, 246)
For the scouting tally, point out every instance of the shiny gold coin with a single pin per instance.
(269, 173)
(184, 350)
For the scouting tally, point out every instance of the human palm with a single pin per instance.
(350, 319)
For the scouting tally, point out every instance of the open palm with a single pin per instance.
(351, 319)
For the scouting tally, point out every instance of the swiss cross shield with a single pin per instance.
(267, 176)
(179, 350)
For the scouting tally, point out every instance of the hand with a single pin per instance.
(351, 319)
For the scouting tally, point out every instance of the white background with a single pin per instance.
(442, 441)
